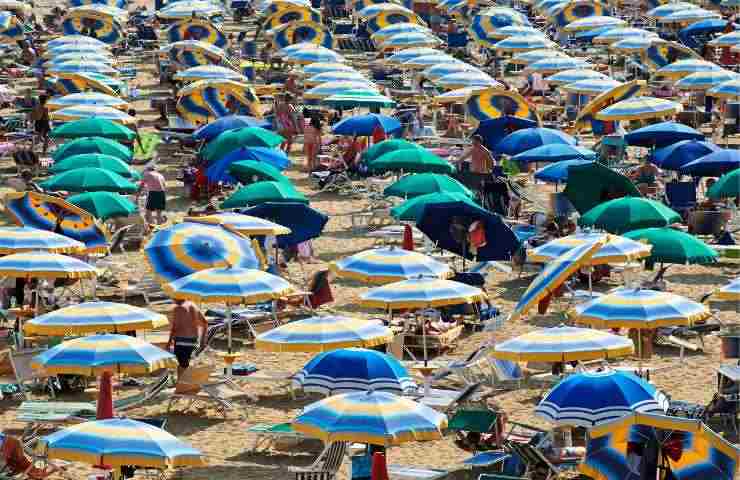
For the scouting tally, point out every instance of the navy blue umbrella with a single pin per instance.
(676, 155)
(304, 222)
(492, 131)
(529, 138)
(662, 134)
(713, 165)
(447, 225)
(557, 172)
(218, 171)
(702, 28)
(554, 152)
(230, 122)
(365, 125)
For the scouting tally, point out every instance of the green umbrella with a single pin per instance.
(590, 184)
(97, 160)
(727, 186)
(93, 145)
(104, 205)
(262, 192)
(359, 98)
(411, 210)
(412, 186)
(244, 170)
(387, 146)
(89, 179)
(410, 161)
(230, 140)
(93, 127)
(629, 213)
(674, 246)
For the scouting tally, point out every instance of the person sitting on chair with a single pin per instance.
(645, 176)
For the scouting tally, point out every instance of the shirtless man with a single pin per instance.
(188, 325)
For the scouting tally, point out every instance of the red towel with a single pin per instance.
(408, 238)
(12, 452)
(320, 290)
(105, 397)
(380, 469)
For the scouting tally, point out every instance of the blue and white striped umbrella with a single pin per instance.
(705, 80)
(409, 53)
(467, 79)
(186, 8)
(438, 71)
(574, 75)
(682, 68)
(727, 40)
(388, 265)
(487, 21)
(325, 67)
(426, 61)
(731, 291)
(594, 398)
(552, 65)
(337, 88)
(616, 250)
(44, 265)
(79, 112)
(593, 86)
(209, 72)
(639, 108)
(409, 40)
(669, 8)
(100, 56)
(632, 45)
(523, 43)
(228, 285)
(616, 34)
(75, 39)
(307, 53)
(80, 49)
(375, 9)
(420, 293)
(591, 23)
(353, 370)
(24, 239)
(192, 53)
(525, 58)
(94, 317)
(689, 16)
(397, 28)
(516, 30)
(729, 89)
(82, 67)
(87, 98)
(335, 77)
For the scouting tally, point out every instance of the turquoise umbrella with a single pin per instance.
(418, 184)
(89, 179)
(96, 160)
(420, 160)
(262, 192)
(104, 205)
(629, 213)
(412, 210)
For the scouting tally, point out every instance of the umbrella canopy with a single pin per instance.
(701, 81)
(326, 67)
(589, 184)
(230, 122)
(273, 159)
(674, 246)
(366, 125)
(192, 53)
(75, 39)
(442, 69)
(682, 68)
(82, 66)
(727, 186)
(324, 334)
(231, 140)
(261, 192)
(662, 134)
(563, 344)
(96, 160)
(587, 114)
(388, 146)
(632, 45)
(118, 442)
(668, 8)
(713, 164)
(525, 58)
(412, 209)
(328, 89)
(87, 98)
(639, 108)
(594, 22)
(487, 21)
(107, 30)
(558, 172)
(591, 87)
(419, 184)
(729, 90)
(726, 40)
(208, 72)
(94, 317)
(516, 30)
(496, 103)
(184, 248)
(86, 145)
(204, 100)
(615, 34)
(409, 53)
(89, 179)
(244, 224)
(93, 127)
(353, 370)
(304, 30)
(688, 447)
(529, 138)
(556, 64)
(636, 308)
(104, 205)
(199, 29)
(228, 285)
(314, 53)
(555, 153)
(676, 155)
(377, 418)
(616, 250)
(52, 214)
(419, 293)
(27, 239)
(403, 27)
(411, 39)
(731, 291)
(359, 98)
(689, 15)
(67, 83)
(629, 213)
(184, 9)
(387, 265)
(68, 114)
(523, 43)
(416, 160)
(246, 170)
(304, 222)
(467, 79)
(590, 399)
(334, 76)
(37, 264)
(574, 75)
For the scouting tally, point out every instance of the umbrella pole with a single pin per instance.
(229, 360)
(424, 339)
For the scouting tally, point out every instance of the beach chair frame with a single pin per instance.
(326, 466)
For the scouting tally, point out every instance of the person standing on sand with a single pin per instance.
(188, 327)
(312, 142)
(156, 194)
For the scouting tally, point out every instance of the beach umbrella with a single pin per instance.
(68, 83)
(525, 58)
(245, 171)
(726, 40)
(193, 53)
(218, 171)
(230, 122)
(563, 344)
(376, 8)
(705, 80)
(631, 45)
(556, 64)
(589, 184)
(590, 399)
(185, 9)
(288, 14)
(118, 442)
(82, 66)
(616, 249)
(686, 447)
(496, 103)
(388, 265)
(80, 49)
(244, 224)
(53, 214)
(440, 70)
(487, 21)
(199, 29)
(593, 22)
(616, 34)
(574, 75)
(92, 145)
(184, 248)
(306, 31)
(425, 61)
(731, 291)
(205, 100)
(26, 239)
(78, 57)
(358, 98)
(336, 88)
(273, 6)
(108, 30)
(94, 317)
(629, 213)
(591, 86)
(75, 39)
(412, 160)
(419, 184)
(420, 293)
(95, 112)
(727, 186)
(662, 134)
(264, 191)
(727, 90)
(676, 155)
(104, 205)
(529, 138)
(366, 125)
(377, 418)
(89, 179)
(324, 67)
(409, 40)
(555, 152)
(93, 127)
(388, 146)
(674, 246)
(410, 53)
(668, 8)
(467, 79)
(396, 28)
(388, 18)
(324, 334)
(639, 108)
(682, 68)
(516, 30)
(208, 72)
(459, 95)
(38, 264)
(713, 164)
(523, 43)
(689, 15)
(86, 98)
(412, 209)
(96, 160)
(353, 370)
(558, 172)
(306, 55)
(334, 76)
(304, 222)
(231, 140)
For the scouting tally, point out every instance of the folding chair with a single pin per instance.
(196, 388)
(537, 464)
(681, 196)
(326, 466)
(25, 374)
(265, 434)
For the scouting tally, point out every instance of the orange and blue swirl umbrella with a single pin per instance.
(616, 34)
(591, 23)
(637, 308)
(69, 83)
(186, 8)
(397, 28)
(307, 53)
(410, 40)
(686, 447)
(525, 58)
(277, 5)
(387, 18)
(192, 53)
(185, 248)
(337, 88)
(39, 264)
(11, 29)
(495, 103)
(79, 112)
(244, 224)
(486, 22)
(616, 250)
(387, 265)
(411, 53)
(578, 9)
(292, 14)
(418, 293)
(205, 100)
(563, 344)
(303, 31)
(324, 333)
(377, 8)
(82, 66)
(556, 273)
(75, 40)
(202, 30)
(118, 442)
(327, 77)
(376, 418)
(705, 80)
(106, 26)
(110, 3)
(523, 43)
(661, 53)
(731, 291)
(593, 86)
(639, 108)
(208, 72)
(88, 99)
(557, 64)
(25, 239)
(53, 214)
(94, 317)
(229, 285)
(326, 67)
(467, 79)
(574, 75)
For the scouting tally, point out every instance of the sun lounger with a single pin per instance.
(445, 400)
(196, 388)
(265, 434)
(326, 466)
(535, 460)
(401, 472)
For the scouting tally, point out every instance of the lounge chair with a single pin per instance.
(481, 422)
(195, 387)
(446, 400)
(24, 374)
(402, 472)
(537, 463)
(326, 466)
(265, 434)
